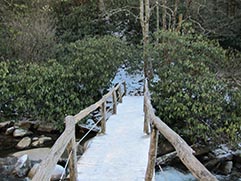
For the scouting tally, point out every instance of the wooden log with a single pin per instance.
(71, 148)
(165, 159)
(120, 94)
(114, 100)
(152, 155)
(125, 89)
(146, 117)
(47, 166)
(103, 120)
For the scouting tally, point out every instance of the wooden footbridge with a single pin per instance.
(122, 151)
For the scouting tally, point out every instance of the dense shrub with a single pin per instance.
(78, 21)
(188, 95)
(49, 91)
(27, 30)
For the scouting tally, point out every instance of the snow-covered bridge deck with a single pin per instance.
(122, 153)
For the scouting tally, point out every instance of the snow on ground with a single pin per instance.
(134, 82)
(121, 153)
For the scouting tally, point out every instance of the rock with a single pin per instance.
(21, 132)
(4, 124)
(9, 130)
(56, 175)
(22, 166)
(200, 149)
(40, 141)
(210, 165)
(24, 143)
(35, 138)
(35, 143)
(33, 170)
(25, 124)
(226, 167)
(44, 139)
(34, 154)
(46, 128)
(7, 164)
(237, 156)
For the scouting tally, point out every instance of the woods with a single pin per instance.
(57, 57)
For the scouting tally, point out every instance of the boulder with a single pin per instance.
(33, 170)
(237, 156)
(200, 149)
(25, 124)
(4, 124)
(9, 130)
(56, 175)
(22, 166)
(46, 128)
(40, 141)
(226, 167)
(34, 154)
(7, 164)
(21, 132)
(35, 138)
(24, 143)
(44, 139)
(35, 143)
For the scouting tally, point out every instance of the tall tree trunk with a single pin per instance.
(157, 19)
(180, 17)
(157, 16)
(231, 7)
(101, 6)
(164, 15)
(144, 19)
(188, 5)
(175, 15)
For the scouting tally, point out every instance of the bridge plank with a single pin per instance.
(122, 153)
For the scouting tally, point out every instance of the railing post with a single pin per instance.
(71, 148)
(114, 100)
(103, 114)
(120, 94)
(125, 89)
(146, 116)
(152, 154)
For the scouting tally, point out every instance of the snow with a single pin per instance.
(121, 153)
(134, 81)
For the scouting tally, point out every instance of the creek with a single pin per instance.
(173, 174)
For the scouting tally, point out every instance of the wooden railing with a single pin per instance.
(184, 152)
(67, 139)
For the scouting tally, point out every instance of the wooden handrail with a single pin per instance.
(67, 138)
(184, 152)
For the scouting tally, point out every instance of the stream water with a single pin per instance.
(172, 174)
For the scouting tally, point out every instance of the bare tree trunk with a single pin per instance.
(144, 19)
(101, 5)
(164, 15)
(174, 15)
(157, 16)
(231, 7)
(180, 17)
(188, 4)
